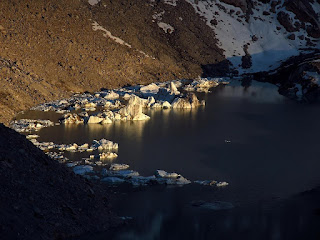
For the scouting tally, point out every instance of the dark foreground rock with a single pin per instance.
(42, 199)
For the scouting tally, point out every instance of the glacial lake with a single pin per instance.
(264, 145)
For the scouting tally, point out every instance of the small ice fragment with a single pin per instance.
(222, 184)
(117, 166)
(82, 169)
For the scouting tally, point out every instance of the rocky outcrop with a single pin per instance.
(298, 78)
(42, 199)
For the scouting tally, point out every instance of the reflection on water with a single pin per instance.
(272, 155)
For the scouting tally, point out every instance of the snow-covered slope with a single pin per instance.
(261, 35)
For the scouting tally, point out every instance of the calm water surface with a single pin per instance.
(273, 155)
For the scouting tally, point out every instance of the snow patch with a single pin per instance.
(167, 28)
(171, 2)
(267, 45)
(96, 27)
(93, 2)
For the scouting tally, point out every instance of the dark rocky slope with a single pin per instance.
(42, 199)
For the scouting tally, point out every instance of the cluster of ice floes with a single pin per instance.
(120, 173)
(127, 104)
(203, 85)
(101, 145)
(108, 106)
(28, 125)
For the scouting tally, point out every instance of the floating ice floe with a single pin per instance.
(133, 110)
(118, 166)
(171, 178)
(149, 90)
(204, 84)
(101, 145)
(222, 184)
(72, 118)
(57, 156)
(104, 156)
(212, 183)
(83, 169)
(113, 180)
(28, 125)
(32, 136)
(126, 104)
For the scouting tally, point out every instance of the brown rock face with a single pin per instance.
(285, 20)
(306, 14)
(49, 49)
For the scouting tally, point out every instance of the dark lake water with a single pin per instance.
(266, 147)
